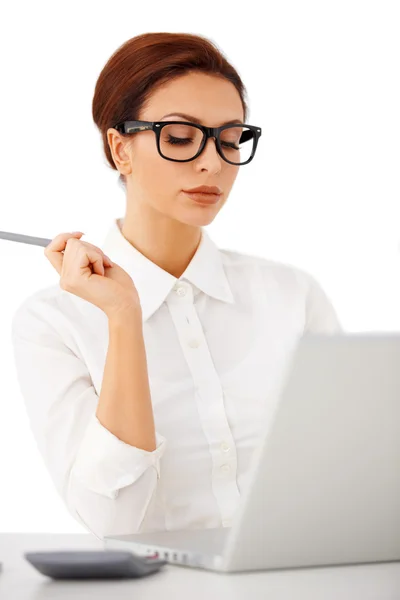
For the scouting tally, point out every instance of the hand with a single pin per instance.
(88, 273)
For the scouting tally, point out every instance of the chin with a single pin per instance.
(199, 220)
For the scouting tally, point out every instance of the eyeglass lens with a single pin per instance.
(182, 142)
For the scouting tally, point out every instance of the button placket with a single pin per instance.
(181, 289)
(209, 398)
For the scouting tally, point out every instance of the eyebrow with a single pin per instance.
(195, 120)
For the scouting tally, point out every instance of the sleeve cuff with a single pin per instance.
(105, 464)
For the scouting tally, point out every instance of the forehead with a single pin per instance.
(209, 99)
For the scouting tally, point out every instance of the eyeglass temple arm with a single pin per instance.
(246, 135)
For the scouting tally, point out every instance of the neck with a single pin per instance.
(168, 243)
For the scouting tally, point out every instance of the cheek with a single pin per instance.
(234, 174)
(162, 179)
(152, 169)
(228, 179)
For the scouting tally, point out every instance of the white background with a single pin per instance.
(322, 192)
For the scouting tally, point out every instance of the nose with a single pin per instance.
(211, 141)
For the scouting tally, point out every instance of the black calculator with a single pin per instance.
(93, 564)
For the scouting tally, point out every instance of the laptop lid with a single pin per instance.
(324, 484)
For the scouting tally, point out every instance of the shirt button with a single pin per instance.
(181, 291)
(225, 468)
(225, 446)
(194, 343)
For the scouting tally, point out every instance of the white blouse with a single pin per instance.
(217, 340)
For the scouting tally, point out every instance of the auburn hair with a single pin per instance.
(144, 63)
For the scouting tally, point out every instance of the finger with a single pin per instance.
(53, 251)
(60, 240)
(86, 262)
(106, 259)
(90, 256)
(98, 266)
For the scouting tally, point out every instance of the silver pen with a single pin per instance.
(25, 239)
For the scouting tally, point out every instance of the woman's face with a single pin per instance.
(159, 183)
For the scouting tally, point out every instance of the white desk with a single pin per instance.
(20, 581)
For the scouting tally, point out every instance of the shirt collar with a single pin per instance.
(205, 270)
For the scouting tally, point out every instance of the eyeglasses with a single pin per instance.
(182, 141)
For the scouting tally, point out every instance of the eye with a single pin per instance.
(230, 145)
(179, 141)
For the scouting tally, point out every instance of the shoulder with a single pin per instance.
(292, 284)
(49, 309)
(284, 274)
(40, 304)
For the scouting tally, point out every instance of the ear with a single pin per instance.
(119, 147)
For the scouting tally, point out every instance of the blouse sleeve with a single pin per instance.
(106, 484)
(321, 316)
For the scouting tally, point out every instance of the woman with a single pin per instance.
(149, 380)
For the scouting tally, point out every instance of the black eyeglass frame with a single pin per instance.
(130, 127)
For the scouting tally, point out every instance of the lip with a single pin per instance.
(205, 189)
(204, 198)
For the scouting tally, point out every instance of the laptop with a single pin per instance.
(324, 482)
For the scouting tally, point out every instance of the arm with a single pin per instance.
(125, 406)
(106, 481)
(321, 316)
